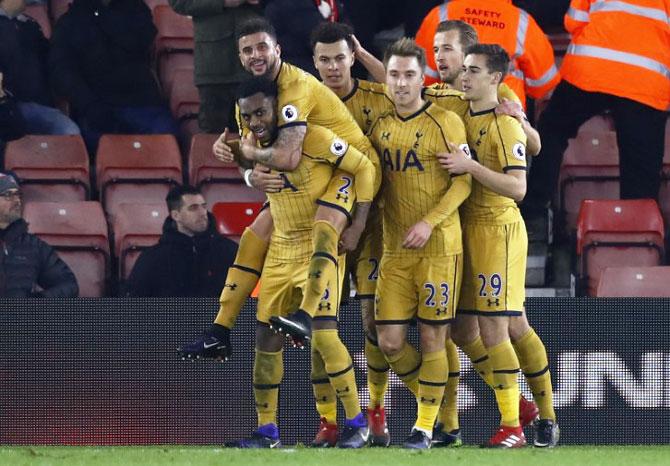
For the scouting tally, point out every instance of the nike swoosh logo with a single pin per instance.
(209, 346)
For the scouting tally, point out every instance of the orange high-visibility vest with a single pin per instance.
(620, 47)
(533, 71)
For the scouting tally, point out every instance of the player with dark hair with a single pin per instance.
(495, 248)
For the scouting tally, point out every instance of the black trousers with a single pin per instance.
(640, 135)
(217, 107)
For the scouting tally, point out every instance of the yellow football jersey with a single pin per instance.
(293, 208)
(367, 101)
(414, 182)
(499, 143)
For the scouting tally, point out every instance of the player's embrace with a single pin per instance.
(420, 271)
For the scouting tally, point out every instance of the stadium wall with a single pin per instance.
(105, 372)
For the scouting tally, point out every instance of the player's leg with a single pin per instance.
(437, 282)
(275, 296)
(326, 402)
(337, 361)
(241, 279)
(535, 367)
(491, 292)
(243, 275)
(332, 217)
(395, 303)
(447, 432)
(366, 270)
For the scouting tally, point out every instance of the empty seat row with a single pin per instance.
(617, 233)
(79, 232)
(128, 168)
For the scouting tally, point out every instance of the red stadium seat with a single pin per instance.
(78, 231)
(136, 227)
(40, 13)
(184, 97)
(51, 168)
(175, 31)
(622, 282)
(590, 170)
(169, 66)
(233, 217)
(136, 168)
(617, 233)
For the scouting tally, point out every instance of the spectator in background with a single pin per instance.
(191, 258)
(532, 72)
(100, 60)
(11, 122)
(23, 64)
(217, 67)
(618, 60)
(28, 265)
(294, 21)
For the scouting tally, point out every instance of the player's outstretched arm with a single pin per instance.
(284, 154)
(458, 192)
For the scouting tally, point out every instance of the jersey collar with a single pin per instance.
(415, 114)
(483, 112)
(353, 91)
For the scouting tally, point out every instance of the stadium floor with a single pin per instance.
(587, 455)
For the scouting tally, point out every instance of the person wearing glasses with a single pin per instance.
(29, 267)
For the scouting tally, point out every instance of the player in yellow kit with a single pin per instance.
(284, 276)
(333, 45)
(421, 265)
(495, 245)
(302, 99)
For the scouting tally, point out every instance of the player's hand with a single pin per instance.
(349, 238)
(511, 108)
(457, 161)
(356, 43)
(248, 145)
(221, 150)
(262, 179)
(418, 235)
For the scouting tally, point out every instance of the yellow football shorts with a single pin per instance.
(282, 286)
(423, 287)
(494, 272)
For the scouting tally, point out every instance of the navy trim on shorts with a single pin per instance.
(392, 322)
(474, 312)
(454, 374)
(320, 381)
(336, 207)
(513, 167)
(434, 322)
(482, 359)
(364, 296)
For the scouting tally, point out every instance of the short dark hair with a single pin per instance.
(497, 59)
(406, 47)
(257, 84)
(256, 25)
(174, 197)
(329, 33)
(467, 35)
